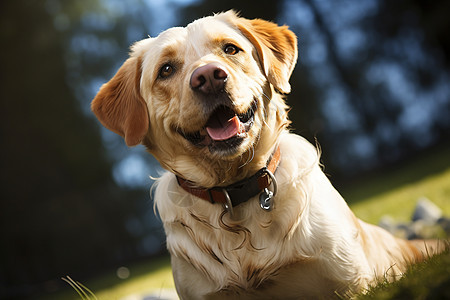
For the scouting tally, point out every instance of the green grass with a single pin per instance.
(399, 203)
(427, 280)
(393, 193)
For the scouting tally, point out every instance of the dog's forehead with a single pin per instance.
(210, 26)
(198, 33)
(171, 36)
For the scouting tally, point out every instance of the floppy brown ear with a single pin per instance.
(276, 47)
(119, 105)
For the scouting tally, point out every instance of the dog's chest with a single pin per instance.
(231, 255)
(237, 263)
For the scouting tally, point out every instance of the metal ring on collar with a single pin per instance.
(228, 206)
(274, 182)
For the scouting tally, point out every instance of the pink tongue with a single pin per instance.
(220, 130)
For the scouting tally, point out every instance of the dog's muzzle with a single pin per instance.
(225, 128)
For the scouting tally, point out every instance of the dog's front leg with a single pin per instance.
(189, 282)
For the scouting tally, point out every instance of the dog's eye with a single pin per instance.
(231, 49)
(166, 71)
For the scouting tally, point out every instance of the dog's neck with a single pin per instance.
(240, 191)
(216, 172)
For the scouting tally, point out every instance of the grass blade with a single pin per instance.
(74, 285)
(81, 289)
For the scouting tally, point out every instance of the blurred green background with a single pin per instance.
(371, 86)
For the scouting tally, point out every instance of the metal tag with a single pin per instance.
(266, 200)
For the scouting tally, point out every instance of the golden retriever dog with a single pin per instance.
(246, 208)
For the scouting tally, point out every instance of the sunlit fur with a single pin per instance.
(310, 244)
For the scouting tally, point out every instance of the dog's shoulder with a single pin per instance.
(298, 157)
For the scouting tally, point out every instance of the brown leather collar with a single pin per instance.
(240, 191)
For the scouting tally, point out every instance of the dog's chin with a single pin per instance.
(226, 133)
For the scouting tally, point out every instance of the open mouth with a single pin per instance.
(224, 129)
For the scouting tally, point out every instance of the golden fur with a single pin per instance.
(310, 244)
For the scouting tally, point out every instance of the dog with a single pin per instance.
(247, 210)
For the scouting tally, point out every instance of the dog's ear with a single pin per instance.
(119, 105)
(276, 47)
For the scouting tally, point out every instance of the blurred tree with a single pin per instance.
(265, 9)
(60, 211)
(416, 34)
(379, 74)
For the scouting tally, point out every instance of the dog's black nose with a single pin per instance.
(209, 79)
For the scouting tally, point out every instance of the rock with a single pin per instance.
(427, 222)
(387, 223)
(163, 294)
(405, 231)
(445, 224)
(426, 211)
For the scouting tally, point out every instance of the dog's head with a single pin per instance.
(203, 94)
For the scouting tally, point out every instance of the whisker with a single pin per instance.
(250, 157)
